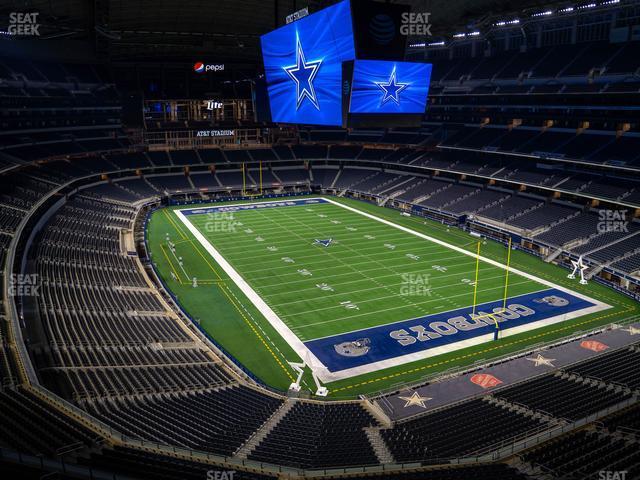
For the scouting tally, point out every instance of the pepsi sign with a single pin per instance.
(200, 67)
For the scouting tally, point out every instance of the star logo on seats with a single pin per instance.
(415, 400)
(303, 73)
(540, 360)
(391, 89)
(632, 330)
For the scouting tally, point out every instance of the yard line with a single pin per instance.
(353, 292)
(241, 244)
(251, 223)
(300, 253)
(348, 265)
(359, 280)
(405, 299)
(328, 277)
(388, 297)
(386, 309)
(401, 255)
(233, 246)
(367, 256)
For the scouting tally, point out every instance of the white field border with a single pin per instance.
(307, 355)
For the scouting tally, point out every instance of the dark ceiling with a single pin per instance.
(222, 30)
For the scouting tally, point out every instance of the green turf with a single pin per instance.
(381, 284)
(364, 279)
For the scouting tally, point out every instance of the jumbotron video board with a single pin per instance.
(322, 70)
(380, 86)
(379, 93)
(303, 66)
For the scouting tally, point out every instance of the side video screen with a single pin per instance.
(388, 87)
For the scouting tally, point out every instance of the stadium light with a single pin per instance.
(542, 14)
(459, 35)
(430, 44)
(566, 10)
(502, 23)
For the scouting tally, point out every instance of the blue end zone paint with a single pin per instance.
(438, 330)
(252, 206)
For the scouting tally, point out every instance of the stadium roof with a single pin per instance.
(225, 29)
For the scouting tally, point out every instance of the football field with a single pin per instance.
(353, 293)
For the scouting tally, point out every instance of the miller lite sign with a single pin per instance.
(213, 105)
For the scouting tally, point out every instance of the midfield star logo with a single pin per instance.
(303, 73)
(324, 243)
(391, 89)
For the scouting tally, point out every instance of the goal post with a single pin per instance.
(505, 291)
(244, 171)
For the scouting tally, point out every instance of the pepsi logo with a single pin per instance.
(200, 67)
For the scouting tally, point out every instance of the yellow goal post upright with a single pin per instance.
(244, 181)
(492, 315)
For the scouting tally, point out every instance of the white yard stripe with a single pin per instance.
(355, 292)
(293, 252)
(316, 269)
(418, 303)
(242, 244)
(385, 253)
(337, 284)
(348, 264)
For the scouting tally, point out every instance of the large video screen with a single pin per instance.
(388, 87)
(303, 66)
